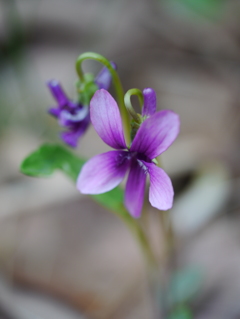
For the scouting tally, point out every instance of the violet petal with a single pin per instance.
(72, 136)
(55, 112)
(134, 193)
(156, 134)
(150, 102)
(73, 105)
(104, 78)
(58, 92)
(161, 190)
(103, 172)
(106, 119)
(67, 118)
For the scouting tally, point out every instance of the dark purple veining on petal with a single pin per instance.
(143, 157)
(103, 172)
(135, 187)
(106, 119)
(156, 134)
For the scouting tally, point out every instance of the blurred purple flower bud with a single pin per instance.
(103, 79)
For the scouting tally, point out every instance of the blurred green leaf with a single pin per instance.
(48, 158)
(182, 312)
(208, 8)
(184, 286)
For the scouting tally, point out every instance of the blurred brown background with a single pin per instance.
(62, 256)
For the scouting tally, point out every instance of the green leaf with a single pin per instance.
(50, 157)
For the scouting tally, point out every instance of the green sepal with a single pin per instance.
(134, 128)
(86, 89)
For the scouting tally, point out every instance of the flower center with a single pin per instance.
(143, 157)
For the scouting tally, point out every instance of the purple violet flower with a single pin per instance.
(105, 171)
(73, 115)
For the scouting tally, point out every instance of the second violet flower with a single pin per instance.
(105, 171)
(74, 115)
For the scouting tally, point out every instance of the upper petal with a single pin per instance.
(161, 190)
(106, 119)
(156, 133)
(103, 172)
(150, 102)
(58, 92)
(134, 193)
(104, 78)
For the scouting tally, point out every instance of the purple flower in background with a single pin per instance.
(74, 115)
(71, 115)
(105, 171)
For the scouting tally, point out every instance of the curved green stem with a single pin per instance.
(116, 82)
(128, 103)
(136, 92)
